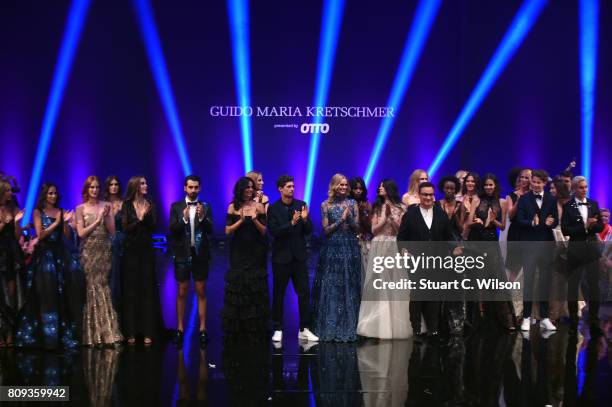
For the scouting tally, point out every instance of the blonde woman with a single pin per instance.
(337, 287)
(412, 196)
(259, 195)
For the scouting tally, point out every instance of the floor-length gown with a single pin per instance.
(246, 304)
(500, 311)
(384, 314)
(336, 292)
(52, 314)
(115, 276)
(141, 309)
(100, 323)
(11, 261)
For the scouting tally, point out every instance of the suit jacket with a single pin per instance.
(414, 229)
(289, 240)
(572, 225)
(180, 232)
(528, 208)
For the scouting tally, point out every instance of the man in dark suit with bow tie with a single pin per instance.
(581, 221)
(190, 226)
(537, 216)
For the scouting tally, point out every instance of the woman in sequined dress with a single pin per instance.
(51, 317)
(336, 293)
(95, 226)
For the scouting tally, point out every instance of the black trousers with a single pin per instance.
(576, 267)
(297, 272)
(539, 259)
(430, 310)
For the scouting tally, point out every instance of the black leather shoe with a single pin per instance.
(179, 337)
(434, 334)
(203, 338)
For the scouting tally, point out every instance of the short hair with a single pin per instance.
(193, 178)
(541, 174)
(604, 210)
(450, 178)
(426, 184)
(567, 174)
(577, 180)
(282, 180)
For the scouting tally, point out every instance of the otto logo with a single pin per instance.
(311, 128)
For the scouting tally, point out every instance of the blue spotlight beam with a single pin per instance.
(588, 14)
(328, 40)
(514, 36)
(238, 11)
(421, 25)
(74, 26)
(162, 80)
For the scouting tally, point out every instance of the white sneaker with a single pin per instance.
(278, 336)
(547, 334)
(526, 324)
(547, 325)
(309, 336)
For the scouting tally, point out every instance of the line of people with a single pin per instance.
(88, 276)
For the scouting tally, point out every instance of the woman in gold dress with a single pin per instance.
(95, 226)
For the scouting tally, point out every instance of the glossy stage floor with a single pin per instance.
(486, 368)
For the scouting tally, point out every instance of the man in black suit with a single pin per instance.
(421, 224)
(190, 226)
(289, 224)
(537, 216)
(581, 221)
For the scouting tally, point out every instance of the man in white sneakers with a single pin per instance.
(289, 224)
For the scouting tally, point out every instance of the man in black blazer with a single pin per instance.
(423, 223)
(581, 221)
(537, 216)
(289, 224)
(190, 227)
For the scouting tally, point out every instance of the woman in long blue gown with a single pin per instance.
(51, 317)
(337, 286)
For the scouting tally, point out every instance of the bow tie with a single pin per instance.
(192, 203)
(538, 196)
(583, 203)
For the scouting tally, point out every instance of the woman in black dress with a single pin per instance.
(246, 299)
(141, 309)
(11, 261)
(487, 217)
(520, 179)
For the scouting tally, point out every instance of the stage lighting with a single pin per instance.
(588, 14)
(421, 25)
(328, 40)
(162, 80)
(74, 25)
(520, 26)
(238, 11)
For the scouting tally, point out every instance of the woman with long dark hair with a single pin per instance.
(246, 307)
(52, 314)
(381, 314)
(359, 193)
(469, 192)
(95, 226)
(11, 262)
(141, 309)
(487, 217)
(112, 195)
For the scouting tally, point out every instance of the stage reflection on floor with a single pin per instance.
(487, 368)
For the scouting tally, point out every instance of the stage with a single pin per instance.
(483, 368)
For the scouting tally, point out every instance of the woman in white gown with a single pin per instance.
(384, 314)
